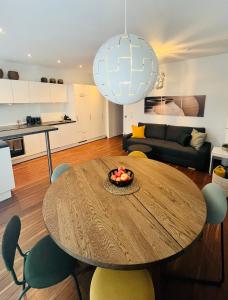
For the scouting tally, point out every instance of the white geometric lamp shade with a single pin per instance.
(125, 69)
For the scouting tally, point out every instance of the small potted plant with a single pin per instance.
(225, 147)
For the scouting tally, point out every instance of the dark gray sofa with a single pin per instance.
(165, 147)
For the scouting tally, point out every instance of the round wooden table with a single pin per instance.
(159, 221)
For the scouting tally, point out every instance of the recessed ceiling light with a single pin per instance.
(59, 61)
(29, 55)
(80, 66)
(1, 30)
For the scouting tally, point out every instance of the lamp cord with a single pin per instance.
(125, 18)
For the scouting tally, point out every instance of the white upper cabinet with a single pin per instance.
(58, 93)
(39, 92)
(6, 95)
(20, 90)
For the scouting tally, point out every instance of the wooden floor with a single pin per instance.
(31, 184)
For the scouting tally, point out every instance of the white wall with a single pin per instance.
(9, 114)
(114, 119)
(204, 76)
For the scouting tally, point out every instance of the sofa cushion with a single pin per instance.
(167, 147)
(173, 133)
(198, 139)
(156, 131)
(138, 131)
(184, 139)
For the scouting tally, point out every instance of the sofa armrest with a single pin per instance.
(125, 138)
(204, 156)
(205, 149)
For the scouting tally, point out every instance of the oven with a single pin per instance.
(16, 146)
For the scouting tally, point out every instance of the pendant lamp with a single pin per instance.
(125, 68)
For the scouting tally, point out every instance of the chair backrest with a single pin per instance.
(216, 203)
(138, 154)
(58, 171)
(10, 241)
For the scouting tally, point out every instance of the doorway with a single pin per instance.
(114, 119)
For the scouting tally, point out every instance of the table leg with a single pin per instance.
(211, 163)
(48, 154)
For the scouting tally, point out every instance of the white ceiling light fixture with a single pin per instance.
(29, 55)
(59, 61)
(125, 68)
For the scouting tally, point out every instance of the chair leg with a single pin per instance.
(23, 292)
(222, 255)
(77, 286)
(204, 281)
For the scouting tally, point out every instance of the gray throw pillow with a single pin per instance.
(198, 139)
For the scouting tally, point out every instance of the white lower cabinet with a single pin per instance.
(66, 134)
(34, 144)
(6, 174)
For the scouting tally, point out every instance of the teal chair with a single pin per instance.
(216, 203)
(216, 212)
(44, 265)
(59, 170)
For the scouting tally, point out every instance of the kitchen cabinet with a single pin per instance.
(83, 112)
(58, 93)
(90, 112)
(97, 108)
(34, 144)
(20, 90)
(6, 95)
(6, 173)
(67, 134)
(39, 92)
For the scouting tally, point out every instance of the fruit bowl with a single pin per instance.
(121, 177)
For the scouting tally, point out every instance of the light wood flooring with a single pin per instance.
(31, 184)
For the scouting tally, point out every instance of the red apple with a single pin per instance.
(113, 177)
(122, 168)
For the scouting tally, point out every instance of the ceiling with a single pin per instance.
(73, 30)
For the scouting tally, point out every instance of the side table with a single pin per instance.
(217, 153)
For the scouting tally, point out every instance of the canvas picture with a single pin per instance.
(192, 106)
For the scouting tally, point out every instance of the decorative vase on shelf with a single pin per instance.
(44, 79)
(52, 80)
(13, 75)
(1, 73)
(60, 81)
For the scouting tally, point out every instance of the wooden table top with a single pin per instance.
(124, 232)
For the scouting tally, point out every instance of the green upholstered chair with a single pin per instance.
(44, 265)
(109, 284)
(59, 170)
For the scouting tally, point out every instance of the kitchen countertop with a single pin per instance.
(19, 132)
(3, 144)
(24, 126)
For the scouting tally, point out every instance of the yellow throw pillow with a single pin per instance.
(138, 132)
(198, 138)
